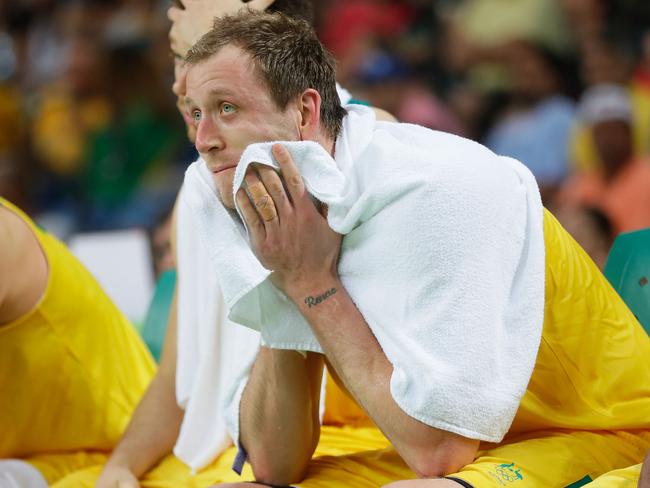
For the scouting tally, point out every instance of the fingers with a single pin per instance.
(252, 219)
(260, 5)
(290, 173)
(173, 13)
(275, 188)
(177, 41)
(261, 199)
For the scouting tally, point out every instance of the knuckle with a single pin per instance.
(264, 203)
(294, 180)
(256, 188)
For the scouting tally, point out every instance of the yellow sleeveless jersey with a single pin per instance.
(73, 368)
(592, 370)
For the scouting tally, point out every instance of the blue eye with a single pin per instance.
(196, 115)
(227, 108)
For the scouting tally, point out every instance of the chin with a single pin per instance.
(225, 195)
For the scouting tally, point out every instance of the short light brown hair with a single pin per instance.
(287, 56)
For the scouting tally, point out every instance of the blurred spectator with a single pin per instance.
(586, 18)
(387, 82)
(88, 130)
(75, 106)
(351, 28)
(641, 77)
(104, 130)
(619, 187)
(536, 125)
(143, 136)
(479, 32)
(605, 60)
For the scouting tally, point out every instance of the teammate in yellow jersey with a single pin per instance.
(73, 367)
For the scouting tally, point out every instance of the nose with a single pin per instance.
(208, 138)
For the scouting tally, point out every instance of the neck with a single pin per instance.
(327, 142)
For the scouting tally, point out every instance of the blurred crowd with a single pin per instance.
(90, 137)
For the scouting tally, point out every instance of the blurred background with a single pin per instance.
(91, 140)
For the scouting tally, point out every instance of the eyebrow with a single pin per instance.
(220, 92)
(187, 101)
(212, 94)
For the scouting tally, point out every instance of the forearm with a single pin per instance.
(361, 364)
(296, 242)
(279, 425)
(155, 424)
(153, 429)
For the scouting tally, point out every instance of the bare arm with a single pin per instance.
(23, 268)
(279, 414)
(362, 366)
(155, 424)
(302, 250)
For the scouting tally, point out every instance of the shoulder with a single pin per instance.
(14, 239)
(23, 267)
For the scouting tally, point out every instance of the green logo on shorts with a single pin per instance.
(506, 473)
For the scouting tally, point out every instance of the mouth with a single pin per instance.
(221, 169)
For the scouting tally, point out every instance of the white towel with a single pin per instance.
(443, 255)
(210, 350)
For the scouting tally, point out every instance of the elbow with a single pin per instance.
(431, 467)
(442, 460)
(278, 475)
(279, 470)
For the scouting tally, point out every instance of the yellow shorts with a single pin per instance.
(555, 459)
(361, 458)
(81, 470)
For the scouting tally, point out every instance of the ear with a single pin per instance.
(309, 115)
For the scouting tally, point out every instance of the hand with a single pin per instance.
(116, 477)
(288, 234)
(197, 18)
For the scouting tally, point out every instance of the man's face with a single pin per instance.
(232, 108)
